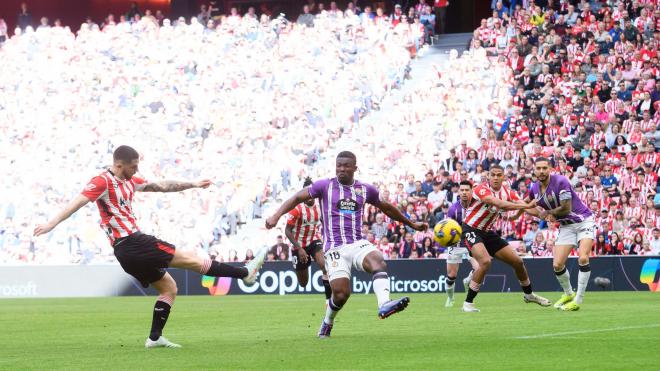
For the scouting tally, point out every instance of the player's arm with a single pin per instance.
(172, 186)
(288, 205)
(73, 206)
(288, 232)
(507, 205)
(561, 211)
(394, 213)
(533, 211)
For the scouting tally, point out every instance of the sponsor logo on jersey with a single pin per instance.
(347, 206)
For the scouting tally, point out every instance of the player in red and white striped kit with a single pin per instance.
(303, 227)
(488, 201)
(143, 256)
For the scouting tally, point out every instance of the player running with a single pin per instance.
(489, 199)
(302, 229)
(456, 253)
(559, 202)
(143, 256)
(342, 201)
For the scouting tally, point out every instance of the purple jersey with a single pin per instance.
(559, 188)
(456, 212)
(341, 209)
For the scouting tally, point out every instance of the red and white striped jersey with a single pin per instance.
(114, 197)
(480, 215)
(306, 222)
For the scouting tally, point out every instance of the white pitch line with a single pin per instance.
(588, 331)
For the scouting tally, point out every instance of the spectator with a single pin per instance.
(306, 18)
(280, 249)
(3, 31)
(428, 250)
(24, 17)
(407, 246)
(379, 228)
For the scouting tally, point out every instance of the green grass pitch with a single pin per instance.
(613, 330)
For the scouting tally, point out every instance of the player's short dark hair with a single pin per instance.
(347, 154)
(465, 183)
(308, 182)
(495, 166)
(542, 159)
(125, 154)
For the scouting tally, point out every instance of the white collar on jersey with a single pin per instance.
(345, 185)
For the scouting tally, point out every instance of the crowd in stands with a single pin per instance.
(578, 83)
(249, 102)
(256, 103)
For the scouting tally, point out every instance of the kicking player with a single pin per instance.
(302, 229)
(489, 199)
(342, 201)
(456, 253)
(143, 256)
(558, 202)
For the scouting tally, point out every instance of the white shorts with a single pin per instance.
(340, 260)
(572, 234)
(456, 254)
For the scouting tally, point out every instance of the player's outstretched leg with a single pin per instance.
(375, 264)
(560, 254)
(583, 275)
(341, 290)
(167, 290)
(248, 273)
(508, 255)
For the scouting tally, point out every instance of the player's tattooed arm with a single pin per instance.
(559, 212)
(173, 186)
(507, 205)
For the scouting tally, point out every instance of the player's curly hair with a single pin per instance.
(308, 182)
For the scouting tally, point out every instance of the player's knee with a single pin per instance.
(558, 267)
(518, 264)
(340, 297)
(485, 263)
(583, 259)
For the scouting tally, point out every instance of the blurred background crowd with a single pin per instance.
(257, 103)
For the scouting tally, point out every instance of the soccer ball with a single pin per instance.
(447, 232)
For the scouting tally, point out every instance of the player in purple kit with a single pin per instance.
(342, 200)
(558, 201)
(456, 253)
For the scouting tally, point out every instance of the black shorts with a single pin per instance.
(311, 250)
(472, 236)
(143, 256)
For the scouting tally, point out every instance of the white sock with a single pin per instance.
(381, 283)
(564, 279)
(331, 312)
(583, 281)
(450, 290)
(469, 278)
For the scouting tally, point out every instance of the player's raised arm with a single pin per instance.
(288, 205)
(171, 186)
(73, 206)
(394, 213)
